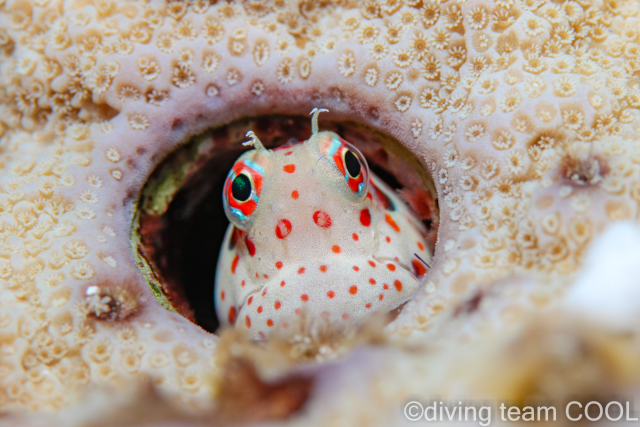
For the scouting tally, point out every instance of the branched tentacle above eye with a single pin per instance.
(314, 120)
(255, 142)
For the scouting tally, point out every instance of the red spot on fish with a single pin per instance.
(419, 268)
(288, 153)
(353, 290)
(368, 305)
(381, 297)
(269, 323)
(282, 283)
(391, 222)
(283, 228)
(247, 321)
(336, 249)
(301, 270)
(322, 219)
(331, 294)
(385, 286)
(250, 300)
(259, 310)
(234, 264)
(391, 267)
(264, 292)
(250, 246)
(355, 237)
(232, 315)
(365, 217)
(277, 305)
(222, 295)
(345, 316)
(372, 264)
(278, 265)
(242, 283)
(235, 235)
(356, 268)
(291, 168)
(398, 285)
(294, 194)
(388, 239)
(323, 268)
(304, 297)
(372, 281)
(298, 311)
(420, 246)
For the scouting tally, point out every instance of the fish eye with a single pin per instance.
(352, 164)
(346, 162)
(241, 188)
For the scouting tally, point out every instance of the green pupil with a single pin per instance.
(241, 188)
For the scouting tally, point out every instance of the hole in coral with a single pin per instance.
(181, 222)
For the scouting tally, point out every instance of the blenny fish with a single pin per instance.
(313, 231)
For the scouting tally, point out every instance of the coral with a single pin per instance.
(523, 111)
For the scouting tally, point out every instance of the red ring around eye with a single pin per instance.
(355, 183)
(336, 148)
(255, 173)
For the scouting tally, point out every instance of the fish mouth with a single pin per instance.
(179, 223)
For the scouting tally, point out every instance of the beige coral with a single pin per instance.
(524, 112)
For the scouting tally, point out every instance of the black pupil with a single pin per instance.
(352, 163)
(241, 188)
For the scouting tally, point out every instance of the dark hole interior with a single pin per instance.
(181, 242)
(195, 238)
